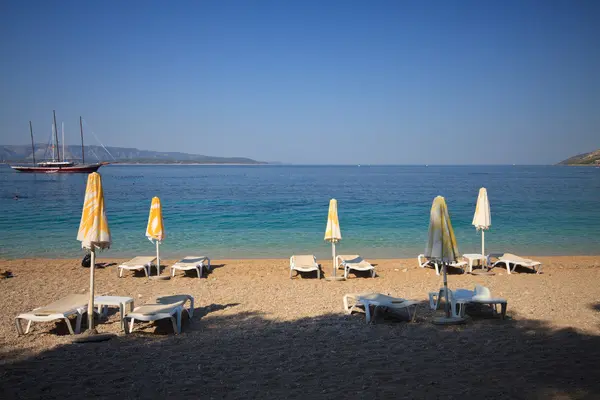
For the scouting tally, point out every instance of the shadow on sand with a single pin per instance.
(248, 355)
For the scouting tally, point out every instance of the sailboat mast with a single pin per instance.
(63, 139)
(82, 149)
(56, 136)
(32, 145)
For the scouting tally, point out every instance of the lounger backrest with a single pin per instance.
(304, 260)
(482, 292)
(509, 256)
(63, 305)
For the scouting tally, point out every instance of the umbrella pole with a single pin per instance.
(91, 302)
(157, 259)
(447, 306)
(483, 242)
(333, 255)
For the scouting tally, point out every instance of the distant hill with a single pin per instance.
(22, 153)
(591, 158)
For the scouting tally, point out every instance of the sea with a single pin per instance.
(274, 211)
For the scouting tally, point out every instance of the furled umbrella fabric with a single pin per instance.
(441, 243)
(93, 230)
(332, 232)
(482, 220)
(155, 231)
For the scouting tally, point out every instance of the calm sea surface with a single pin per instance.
(275, 211)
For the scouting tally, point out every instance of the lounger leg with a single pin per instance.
(503, 310)
(78, 323)
(414, 316)
(199, 271)
(172, 272)
(19, 327)
(437, 269)
(373, 273)
(131, 325)
(432, 301)
(28, 327)
(68, 322)
(190, 311)
(290, 273)
(120, 272)
(208, 266)
(146, 269)
(367, 312)
(121, 314)
(318, 273)
(345, 301)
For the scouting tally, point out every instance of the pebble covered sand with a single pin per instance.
(258, 334)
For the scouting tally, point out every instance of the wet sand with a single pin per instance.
(258, 334)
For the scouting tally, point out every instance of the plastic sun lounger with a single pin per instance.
(377, 300)
(74, 304)
(163, 307)
(424, 262)
(189, 263)
(459, 298)
(304, 263)
(354, 262)
(508, 259)
(137, 263)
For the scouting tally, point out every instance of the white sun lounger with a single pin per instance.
(304, 263)
(354, 262)
(74, 304)
(191, 263)
(507, 259)
(163, 307)
(425, 262)
(459, 298)
(137, 263)
(377, 300)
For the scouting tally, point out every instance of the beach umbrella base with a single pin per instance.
(92, 336)
(335, 278)
(448, 321)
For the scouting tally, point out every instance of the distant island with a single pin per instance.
(591, 158)
(125, 155)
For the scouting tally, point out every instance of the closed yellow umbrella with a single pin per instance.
(93, 230)
(156, 230)
(332, 232)
(442, 246)
(482, 219)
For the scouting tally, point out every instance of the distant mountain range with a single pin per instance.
(22, 153)
(591, 158)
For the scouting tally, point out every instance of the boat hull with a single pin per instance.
(74, 169)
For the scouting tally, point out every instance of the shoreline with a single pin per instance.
(113, 258)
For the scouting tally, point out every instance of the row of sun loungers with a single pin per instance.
(371, 303)
(189, 263)
(171, 307)
(308, 263)
(510, 261)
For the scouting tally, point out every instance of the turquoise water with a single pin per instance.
(275, 211)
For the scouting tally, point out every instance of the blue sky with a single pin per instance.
(324, 82)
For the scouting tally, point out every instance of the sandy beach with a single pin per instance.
(258, 334)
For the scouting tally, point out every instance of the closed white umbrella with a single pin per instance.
(332, 232)
(482, 220)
